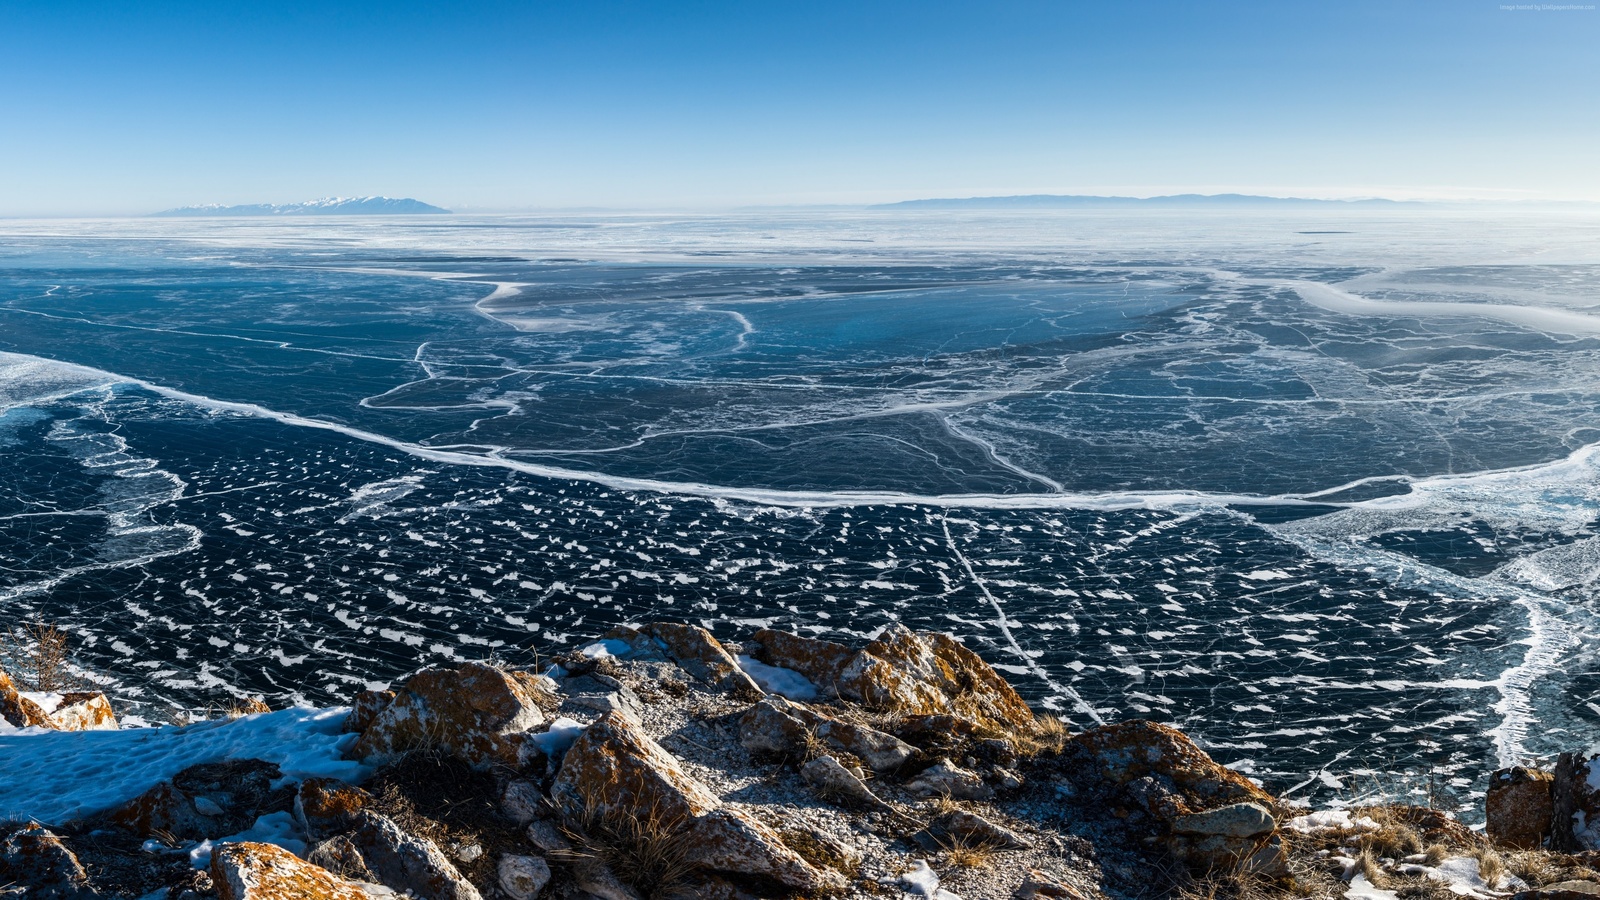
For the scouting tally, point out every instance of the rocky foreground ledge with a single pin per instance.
(659, 762)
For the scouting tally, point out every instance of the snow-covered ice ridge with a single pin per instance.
(1183, 483)
(325, 206)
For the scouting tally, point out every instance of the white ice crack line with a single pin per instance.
(1005, 629)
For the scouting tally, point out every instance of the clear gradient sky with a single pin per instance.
(128, 107)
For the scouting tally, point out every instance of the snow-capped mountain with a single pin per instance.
(327, 206)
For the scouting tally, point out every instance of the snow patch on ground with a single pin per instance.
(562, 735)
(277, 828)
(54, 776)
(1331, 820)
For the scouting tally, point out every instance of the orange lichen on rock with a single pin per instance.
(1519, 807)
(252, 871)
(475, 711)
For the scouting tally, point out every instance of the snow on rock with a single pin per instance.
(778, 680)
(56, 776)
(608, 647)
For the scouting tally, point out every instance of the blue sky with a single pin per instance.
(135, 106)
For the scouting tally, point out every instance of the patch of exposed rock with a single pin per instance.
(653, 764)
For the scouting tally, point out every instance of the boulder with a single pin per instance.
(777, 725)
(1519, 807)
(476, 712)
(35, 860)
(822, 662)
(406, 862)
(945, 779)
(833, 782)
(326, 806)
(965, 829)
(615, 769)
(1240, 820)
(340, 856)
(82, 711)
(522, 877)
(641, 647)
(597, 880)
(597, 692)
(364, 710)
(205, 801)
(522, 801)
(1128, 751)
(1239, 837)
(252, 871)
(700, 654)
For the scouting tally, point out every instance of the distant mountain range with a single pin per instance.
(327, 206)
(1063, 201)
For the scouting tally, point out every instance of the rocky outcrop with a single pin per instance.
(1519, 807)
(1126, 752)
(614, 769)
(906, 673)
(252, 871)
(476, 712)
(73, 711)
(695, 651)
(666, 776)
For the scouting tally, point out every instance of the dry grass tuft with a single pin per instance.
(1048, 735)
(1435, 854)
(970, 856)
(1395, 838)
(1221, 885)
(1491, 866)
(647, 849)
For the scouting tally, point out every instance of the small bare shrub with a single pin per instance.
(36, 654)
